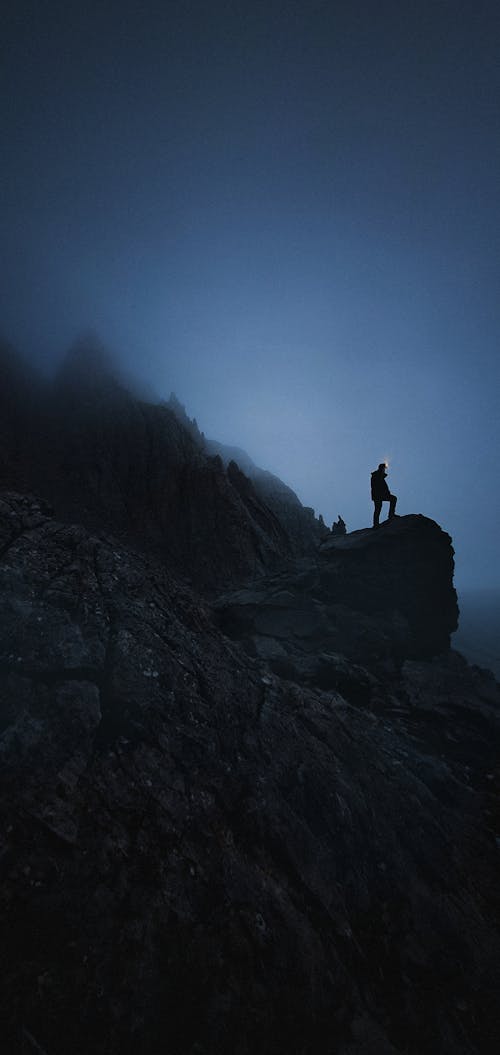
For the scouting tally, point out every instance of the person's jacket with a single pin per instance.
(380, 489)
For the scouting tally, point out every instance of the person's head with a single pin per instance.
(383, 467)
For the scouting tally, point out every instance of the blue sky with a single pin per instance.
(289, 214)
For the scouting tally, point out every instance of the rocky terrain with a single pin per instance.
(372, 596)
(201, 856)
(303, 529)
(105, 457)
(249, 797)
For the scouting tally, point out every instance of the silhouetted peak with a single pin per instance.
(190, 424)
(176, 406)
(297, 520)
(89, 370)
(232, 454)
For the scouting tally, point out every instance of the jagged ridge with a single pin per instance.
(108, 459)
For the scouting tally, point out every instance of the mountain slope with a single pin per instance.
(299, 521)
(108, 459)
(201, 857)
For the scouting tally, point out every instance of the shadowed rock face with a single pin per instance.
(371, 596)
(112, 461)
(202, 858)
(299, 522)
(405, 567)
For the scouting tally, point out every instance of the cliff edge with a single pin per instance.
(374, 597)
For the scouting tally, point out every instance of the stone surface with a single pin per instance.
(198, 856)
(373, 597)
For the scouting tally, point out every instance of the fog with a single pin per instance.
(288, 214)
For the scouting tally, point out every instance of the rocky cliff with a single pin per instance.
(105, 457)
(299, 521)
(371, 596)
(203, 857)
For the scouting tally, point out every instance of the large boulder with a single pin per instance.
(370, 596)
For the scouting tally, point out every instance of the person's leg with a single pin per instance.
(392, 507)
(376, 512)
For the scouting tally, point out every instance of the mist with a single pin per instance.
(289, 217)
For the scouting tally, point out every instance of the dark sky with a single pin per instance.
(289, 214)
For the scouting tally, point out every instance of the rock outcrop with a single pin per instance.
(371, 597)
(302, 528)
(203, 858)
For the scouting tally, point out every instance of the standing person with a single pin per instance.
(339, 527)
(381, 493)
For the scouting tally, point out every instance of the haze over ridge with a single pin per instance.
(287, 215)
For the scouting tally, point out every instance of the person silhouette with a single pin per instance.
(339, 527)
(381, 493)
